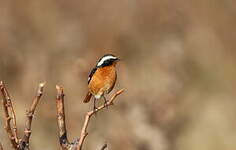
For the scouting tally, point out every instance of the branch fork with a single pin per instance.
(23, 143)
(65, 144)
(10, 118)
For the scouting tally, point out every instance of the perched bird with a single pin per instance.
(102, 78)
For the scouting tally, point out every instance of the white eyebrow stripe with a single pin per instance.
(104, 59)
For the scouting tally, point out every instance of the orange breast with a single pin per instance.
(103, 80)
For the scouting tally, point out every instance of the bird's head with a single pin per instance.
(107, 60)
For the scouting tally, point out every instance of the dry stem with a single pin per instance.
(1, 148)
(7, 106)
(61, 119)
(84, 132)
(77, 145)
(23, 144)
(17, 143)
(104, 146)
(30, 114)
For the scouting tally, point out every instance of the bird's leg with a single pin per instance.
(105, 101)
(94, 104)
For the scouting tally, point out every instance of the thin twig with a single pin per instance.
(9, 102)
(30, 113)
(61, 119)
(1, 148)
(104, 146)
(84, 132)
(7, 106)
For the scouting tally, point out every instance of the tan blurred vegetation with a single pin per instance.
(178, 70)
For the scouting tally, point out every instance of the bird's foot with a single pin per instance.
(106, 105)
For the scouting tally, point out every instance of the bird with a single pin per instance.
(102, 79)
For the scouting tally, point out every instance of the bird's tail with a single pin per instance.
(88, 97)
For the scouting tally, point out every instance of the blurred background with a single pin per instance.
(178, 70)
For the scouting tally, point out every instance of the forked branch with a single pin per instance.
(89, 114)
(23, 143)
(11, 128)
(78, 144)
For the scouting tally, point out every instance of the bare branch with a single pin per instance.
(104, 146)
(1, 148)
(30, 113)
(61, 119)
(84, 132)
(16, 142)
(7, 106)
(77, 145)
(13, 115)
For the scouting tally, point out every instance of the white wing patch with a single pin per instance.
(104, 59)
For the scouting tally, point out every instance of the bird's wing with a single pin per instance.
(91, 74)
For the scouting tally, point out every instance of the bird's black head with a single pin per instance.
(107, 60)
